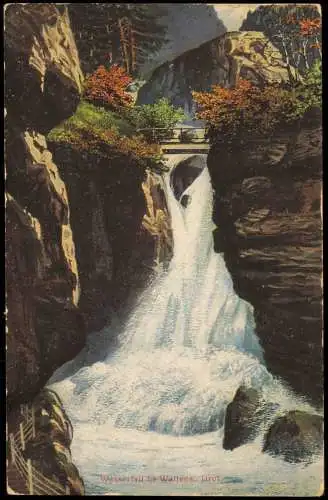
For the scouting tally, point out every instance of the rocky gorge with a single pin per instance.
(43, 85)
(84, 235)
(268, 211)
(267, 203)
(64, 258)
(60, 253)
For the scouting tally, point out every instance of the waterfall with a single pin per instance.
(185, 349)
(194, 304)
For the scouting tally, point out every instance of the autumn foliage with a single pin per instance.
(107, 88)
(307, 30)
(294, 28)
(109, 144)
(306, 26)
(245, 110)
(103, 135)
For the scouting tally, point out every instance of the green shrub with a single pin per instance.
(97, 118)
(96, 131)
(160, 115)
(309, 93)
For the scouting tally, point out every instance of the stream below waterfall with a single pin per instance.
(148, 416)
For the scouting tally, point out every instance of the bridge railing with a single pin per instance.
(185, 135)
(36, 482)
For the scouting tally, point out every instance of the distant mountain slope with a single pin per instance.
(220, 61)
(188, 25)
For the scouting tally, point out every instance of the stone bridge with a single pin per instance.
(179, 140)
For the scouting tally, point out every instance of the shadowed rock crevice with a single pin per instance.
(184, 174)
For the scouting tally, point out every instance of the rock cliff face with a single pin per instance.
(43, 75)
(221, 61)
(268, 211)
(188, 26)
(47, 447)
(119, 227)
(80, 234)
(43, 82)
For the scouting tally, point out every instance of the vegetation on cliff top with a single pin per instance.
(103, 124)
(106, 124)
(105, 134)
(161, 114)
(108, 88)
(248, 110)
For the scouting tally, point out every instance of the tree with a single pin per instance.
(108, 88)
(304, 35)
(309, 93)
(246, 110)
(140, 33)
(311, 29)
(294, 29)
(117, 33)
(160, 115)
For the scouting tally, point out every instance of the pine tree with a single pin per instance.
(123, 34)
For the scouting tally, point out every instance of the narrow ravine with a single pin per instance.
(152, 412)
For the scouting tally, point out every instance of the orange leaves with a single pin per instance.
(214, 104)
(310, 27)
(290, 19)
(244, 109)
(107, 87)
(137, 146)
(307, 26)
(110, 144)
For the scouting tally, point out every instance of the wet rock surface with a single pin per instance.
(296, 436)
(244, 416)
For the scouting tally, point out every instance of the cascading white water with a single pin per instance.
(186, 348)
(194, 304)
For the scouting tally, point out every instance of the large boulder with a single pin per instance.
(43, 74)
(296, 436)
(243, 418)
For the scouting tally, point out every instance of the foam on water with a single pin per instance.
(194, 303)
(156, 405)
